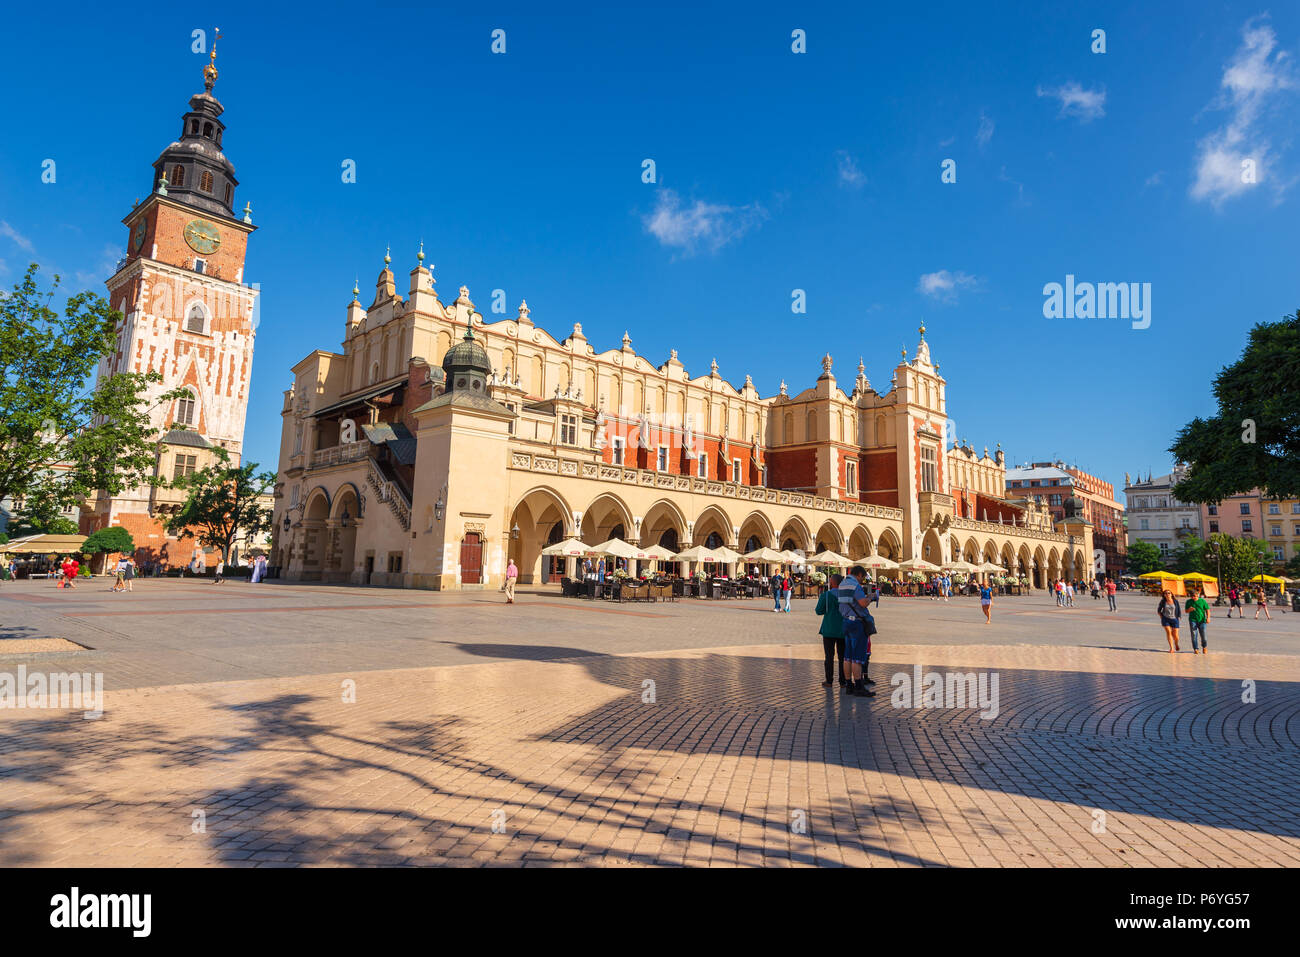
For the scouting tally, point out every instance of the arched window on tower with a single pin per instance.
(197, 319)
(194, 127)
(207, 130)
(178, 175)
(230, 193)
(205, 181)
(812, 428)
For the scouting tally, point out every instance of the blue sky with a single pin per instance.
(776, 171)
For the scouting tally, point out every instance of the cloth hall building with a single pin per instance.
(436, 445)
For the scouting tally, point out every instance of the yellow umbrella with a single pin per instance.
(1268, 579)
(1198, 577)
(1161, 575)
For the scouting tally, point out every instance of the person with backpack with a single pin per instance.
(1198, 613)
(776, 589)
(1171, 616)
(1234, 601)
(858, 624)
(832, 630)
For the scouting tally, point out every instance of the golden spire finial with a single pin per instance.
(922, 329)
(210, 71)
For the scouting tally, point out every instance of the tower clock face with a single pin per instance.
(202, 237)
(137, 235)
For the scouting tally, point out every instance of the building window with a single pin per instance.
(1213, 510)
(230, 193)
(185, 409)
(1145, 525)
(735, 471)
(616, 451)
(662, 462)
(1278, 554)
(197, 319)
(293, 497)
(1054, 499)
(1297, 530)
(1275, 530)
(1164, 548)
(929, 469)
(207, 130)
(194, 127)
(1214, 526)
(185, 465)
(703, 468)
(762, 480)
(1247, 525)
(510, 426)
(1245, 508)
(851, 477)
(178, 176)
(568, 430)
(1295, 508)
(394, 562)
(200, 265)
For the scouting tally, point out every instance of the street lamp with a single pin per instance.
(1218, 559)
(440, 506)
(286, 522)
(346, 520)
(514, 532)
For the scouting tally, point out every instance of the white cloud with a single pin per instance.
(985, 132)
(1155, 179)
(18, 238)
(1253, 76)
(1076, 101)
(707, 225)
(850, 175)
(943, 285)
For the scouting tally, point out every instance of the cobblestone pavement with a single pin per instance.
(181, 631)
(543, 755)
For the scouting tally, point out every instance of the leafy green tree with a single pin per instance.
(1242, 558)
(52, 412)
(1292, 568)
(1143, 557)
(1188, 556)
(222, 504)
(106, 541)
(56, 525)
(1254, 440)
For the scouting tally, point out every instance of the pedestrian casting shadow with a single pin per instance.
(1124, 742)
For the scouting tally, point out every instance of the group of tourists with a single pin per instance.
(124, 572)
(846, 630)
(1238, 596)
(1066, 591)
(1198, 616)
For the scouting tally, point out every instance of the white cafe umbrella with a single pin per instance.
(961, 566)
(728, 555)
(991, 567)
(828, 557)
(764, 555)
(617, 548)
(696, 553)
(879, 561)
(659, 553)
(918, 565)
(570, 547)
(792, 558)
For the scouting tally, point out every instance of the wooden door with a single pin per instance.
(471, 559)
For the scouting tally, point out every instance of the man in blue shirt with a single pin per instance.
(853, 602)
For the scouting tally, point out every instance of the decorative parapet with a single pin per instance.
(998, 528)
(649, 478)
(340, 454)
